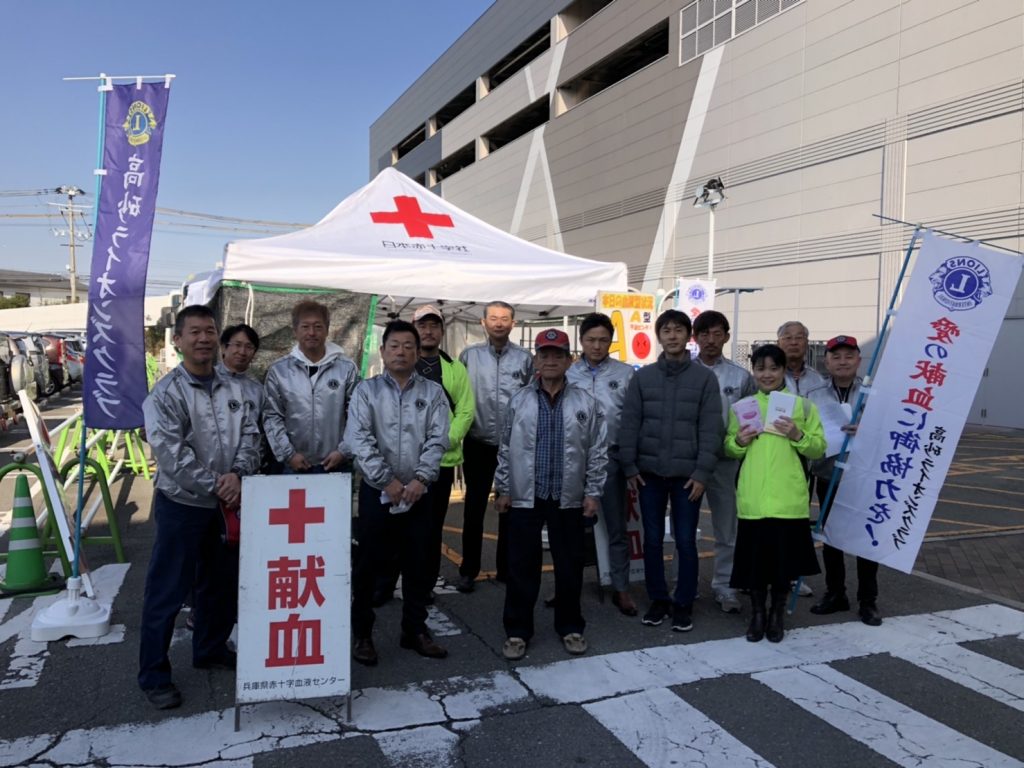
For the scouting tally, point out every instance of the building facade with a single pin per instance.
(588, 126)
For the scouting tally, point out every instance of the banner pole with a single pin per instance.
(82, 450)
(858, 407)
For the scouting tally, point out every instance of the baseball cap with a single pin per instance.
(841, 341)
(552, 337)
(427, 310)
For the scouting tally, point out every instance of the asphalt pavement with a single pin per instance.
(941, 682)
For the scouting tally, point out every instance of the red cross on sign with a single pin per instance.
(296, 515)
(417, 223)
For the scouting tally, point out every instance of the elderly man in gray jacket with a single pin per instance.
(398, 430)
(204, 438)
(307, 393)
(551, 469)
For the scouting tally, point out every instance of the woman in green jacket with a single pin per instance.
(773, 539)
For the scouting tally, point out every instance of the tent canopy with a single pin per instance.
(396, 239)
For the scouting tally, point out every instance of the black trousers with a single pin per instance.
(441, 493)
(835, 564)
(525, 558)
(379, 532)
(481, 460)
(188, 552)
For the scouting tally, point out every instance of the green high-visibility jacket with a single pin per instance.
(772, 481)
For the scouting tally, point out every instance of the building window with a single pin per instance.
(519, 57)
(454, 163)
(704, 24)
(628, 60)
(577, 12)
(518, 125)
(409, 143)
(462, 101)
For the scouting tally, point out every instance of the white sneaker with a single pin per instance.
(805, 589)
(728, 602)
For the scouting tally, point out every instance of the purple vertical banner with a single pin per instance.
(115, 363)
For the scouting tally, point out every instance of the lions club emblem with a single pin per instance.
(696, 294)
(234, 405)
(961, 283)
(333, 384)
(581, 417)
(139, 124)
(421, 404)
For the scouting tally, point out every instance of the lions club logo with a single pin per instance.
(234, 405)
(421, 404)
(696, 294)
(581, 417)
(961, 283)
(613, 385)
(333, 384)
(140, 123)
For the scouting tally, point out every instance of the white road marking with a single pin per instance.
(458, 704)
(661, 729)
(884, 725)
(982, 674)
(426, 747)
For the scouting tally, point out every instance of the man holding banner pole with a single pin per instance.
(835, 401)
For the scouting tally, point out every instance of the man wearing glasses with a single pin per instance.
(800, 377)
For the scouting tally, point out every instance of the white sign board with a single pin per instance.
(633, 316)
(929, 372)
(294, 587)
(634, 538)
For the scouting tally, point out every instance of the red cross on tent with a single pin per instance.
(417, 223)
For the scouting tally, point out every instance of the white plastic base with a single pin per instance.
(71, 616)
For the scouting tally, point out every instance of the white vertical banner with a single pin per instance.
(694, 297)
(294, 587)
(932, 363)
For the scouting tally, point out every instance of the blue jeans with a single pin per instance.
(654, 497)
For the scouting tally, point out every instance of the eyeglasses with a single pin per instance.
(243, 346)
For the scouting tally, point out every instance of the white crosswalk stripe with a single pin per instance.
(627, 694)
(890, 728)
(661, 729)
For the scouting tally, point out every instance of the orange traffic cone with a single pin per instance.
(26, 573)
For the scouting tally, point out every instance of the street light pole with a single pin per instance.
(71, 192)
(709, 196)
(711, 242)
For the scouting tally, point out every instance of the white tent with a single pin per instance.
(397, 239)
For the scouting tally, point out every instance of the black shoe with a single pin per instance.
(758, 600)
(364, 653)
(225, 660)
(775, 629)
(869, 614)
(831, 603)
(382, 597)
(164, 697)
(465, 584)
(682, 618)
(424, 645)
(430, 598)
(656, 613)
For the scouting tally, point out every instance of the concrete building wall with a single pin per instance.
(817, 119)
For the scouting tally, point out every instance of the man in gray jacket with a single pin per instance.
(398, 432)
(669, 440)
(711, 331)
(204, 438)
(551, 470)
(497, 370)
(307, 393)
(606, 380)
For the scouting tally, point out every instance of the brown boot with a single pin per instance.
(364, 652)
(624, 602)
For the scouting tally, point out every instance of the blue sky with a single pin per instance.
(269, 117)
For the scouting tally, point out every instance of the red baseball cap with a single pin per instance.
(552, 337)
(841, 341)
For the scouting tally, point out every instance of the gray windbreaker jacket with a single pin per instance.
(197, 437)
(734, 382)
(306, 414)
(607, 385)
(494, 378)
(398, 433)
(821, 397)
(586, 444)
(251, 388)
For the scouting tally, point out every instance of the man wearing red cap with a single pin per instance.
(551, 469)
(842, 359)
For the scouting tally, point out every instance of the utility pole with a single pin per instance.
(71, 192)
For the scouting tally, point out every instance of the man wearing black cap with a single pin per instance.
(551, 469)
(842, 359)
